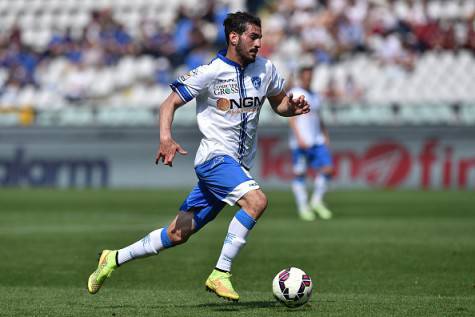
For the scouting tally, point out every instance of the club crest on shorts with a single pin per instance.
(223, 104)
(256, 82)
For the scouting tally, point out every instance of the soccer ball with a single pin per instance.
(292, 287)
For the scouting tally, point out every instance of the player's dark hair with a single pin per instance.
(237, 22)
(305, 68)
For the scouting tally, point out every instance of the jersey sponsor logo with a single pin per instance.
(247, 104)
(225, 89)
(223, 104)
(230, 80)
(256, 82)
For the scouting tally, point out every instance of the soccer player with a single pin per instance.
(229, 93)
(308, 142)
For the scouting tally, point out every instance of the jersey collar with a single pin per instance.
(222, 56)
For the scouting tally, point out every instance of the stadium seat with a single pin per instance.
(8, 98)
(440, 76)
(321, 75)
(76, 117)
(103, 83)
(26, 96)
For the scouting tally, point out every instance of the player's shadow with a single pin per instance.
(238, 306)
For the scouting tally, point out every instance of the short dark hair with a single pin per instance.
(237, 22)
(305, 68)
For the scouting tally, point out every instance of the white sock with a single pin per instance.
(319, 189)
(238, 230)
(300, 193)
(149, 245)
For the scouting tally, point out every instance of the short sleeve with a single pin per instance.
(193, 83)
(276, 84)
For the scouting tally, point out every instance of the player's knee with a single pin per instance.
(262, 203)
(254, 203)
(327, 171)
(259, 204)
(179, 236)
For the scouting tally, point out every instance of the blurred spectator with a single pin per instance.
(470, 41)
(350, 35)
(456, 115)
(77, 83)
(391, 51)
(333, 97)
(158, 41)
(396, 112)
(183, 27)
(93, 54)
(396, 32)
(21, 61)
(352, 92)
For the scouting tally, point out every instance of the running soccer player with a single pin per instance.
(308, 143)
(229, 94)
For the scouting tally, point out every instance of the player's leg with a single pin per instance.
(232, 184)
(252, 205)
(176, 233)
(299, 188)
(197, 209)
(323, 164)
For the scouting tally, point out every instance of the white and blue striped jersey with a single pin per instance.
(228, 102)
(307, 124)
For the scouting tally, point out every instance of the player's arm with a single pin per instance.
(293, 126)
(324, 129)
(168, 147)
(286, 106)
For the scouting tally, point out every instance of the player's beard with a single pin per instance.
(243, 53)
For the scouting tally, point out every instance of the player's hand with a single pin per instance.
(302, 144)
(167, 150)
(298, 106)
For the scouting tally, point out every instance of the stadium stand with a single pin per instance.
(105, 61)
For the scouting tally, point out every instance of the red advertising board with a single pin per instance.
(387, 163)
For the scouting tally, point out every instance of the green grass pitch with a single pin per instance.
(384, 254)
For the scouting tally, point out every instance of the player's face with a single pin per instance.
(306, 78)
(249, 43)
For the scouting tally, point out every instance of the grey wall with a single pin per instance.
(399, 157)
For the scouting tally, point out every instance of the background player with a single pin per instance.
(309, 144)
(229, 91)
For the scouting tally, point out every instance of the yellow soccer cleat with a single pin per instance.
(220, 283)
(307, 215)
(322, 211)
(106, 266)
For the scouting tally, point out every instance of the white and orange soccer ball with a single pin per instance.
(292, 287)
